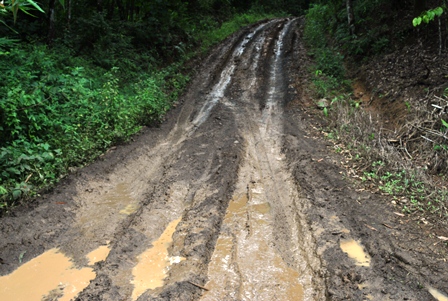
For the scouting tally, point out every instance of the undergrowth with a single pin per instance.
(377, 157)
(378, 161)
(59, 110)
(328, 72)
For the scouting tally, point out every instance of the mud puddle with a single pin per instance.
(50, 275)
(355, 251)
(153, 264)
(245, 265)
(98, 255)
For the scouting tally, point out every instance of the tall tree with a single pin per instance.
(51, 22)
(350, 17)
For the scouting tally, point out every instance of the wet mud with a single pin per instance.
(234, 197)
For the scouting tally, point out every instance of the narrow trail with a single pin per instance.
(222, 202)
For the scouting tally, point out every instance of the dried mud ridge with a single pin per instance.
(233, 198)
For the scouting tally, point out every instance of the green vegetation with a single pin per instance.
(55, 115)
(328, 70)
(361, 138)
(77, 79)
(427, 16)
(348, 33)
(407, 188)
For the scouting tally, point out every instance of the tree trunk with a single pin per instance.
(110, 9)
(51, 21)
(351, 17)
(99, 6)
(440, 35)
(69, 14)
(121, 10)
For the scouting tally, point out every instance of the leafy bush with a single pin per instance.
(328, 70)
(317, 26)
(330, 62)
(55, 116)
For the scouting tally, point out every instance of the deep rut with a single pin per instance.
(205, 209)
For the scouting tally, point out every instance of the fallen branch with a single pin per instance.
(197, 285)
(386, 225)
(371, 228)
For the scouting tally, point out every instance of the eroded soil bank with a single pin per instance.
(235, 197)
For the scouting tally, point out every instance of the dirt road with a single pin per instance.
(233, 198)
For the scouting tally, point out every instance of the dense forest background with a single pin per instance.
(79, 76)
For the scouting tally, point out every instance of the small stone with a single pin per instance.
(323, 103)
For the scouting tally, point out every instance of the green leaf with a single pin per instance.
(7, 41)
(438, 11)
(21, 256)
(445, 124)
(16, 193)
(3, 190)
(417, 21)
(13, 170)
(36, 6)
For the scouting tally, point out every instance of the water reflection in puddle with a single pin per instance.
(355, 251)
(246, 267)
(152, 266)
(119, 199)
(129, 209)
(50, 275)
(438, 295)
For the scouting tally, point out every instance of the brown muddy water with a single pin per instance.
(153, 264)
(48, 275)
(355, 251)
(249, 263)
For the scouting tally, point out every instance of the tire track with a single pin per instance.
(264, 251)
(221, 147)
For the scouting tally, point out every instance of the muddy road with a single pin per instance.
(234, 197)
